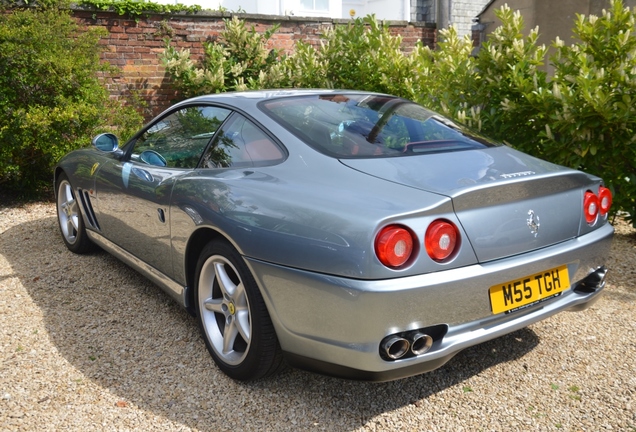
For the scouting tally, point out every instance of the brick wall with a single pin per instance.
(134, 46)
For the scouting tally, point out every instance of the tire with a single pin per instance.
(69, 218)
(233, 319)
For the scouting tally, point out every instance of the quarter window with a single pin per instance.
(240, 143)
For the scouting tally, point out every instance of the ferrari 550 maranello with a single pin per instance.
(354, 234)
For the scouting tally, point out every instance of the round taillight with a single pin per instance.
(605, 200)
(394, 246)
(440, 240)
(590, 207)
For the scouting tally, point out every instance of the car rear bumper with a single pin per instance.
(335, 325)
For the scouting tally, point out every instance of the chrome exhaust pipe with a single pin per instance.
(602, 273)
(395, 347)
(420, 343)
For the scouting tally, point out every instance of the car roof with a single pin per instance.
(258, 95)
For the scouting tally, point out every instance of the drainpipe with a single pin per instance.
(442, 12)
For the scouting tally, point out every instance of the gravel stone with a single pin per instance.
(88, 344)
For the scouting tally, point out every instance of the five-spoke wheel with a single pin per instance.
(232, 315)
(225, 309)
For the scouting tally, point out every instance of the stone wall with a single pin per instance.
(423, 10)
(134, 46)
(450, 12)
(463, 12)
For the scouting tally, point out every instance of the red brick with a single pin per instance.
(115, 29)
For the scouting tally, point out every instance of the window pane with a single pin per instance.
(321, 4)
(370, 125)
(241, 144)
(178, 140)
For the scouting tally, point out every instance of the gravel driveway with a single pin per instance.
(88, 344)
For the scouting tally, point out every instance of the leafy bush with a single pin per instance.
(136, 8)
(507, 70)
(50, 96)
(237, 60)
(362, 53)
(445, 79)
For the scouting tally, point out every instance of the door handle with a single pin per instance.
(143, 174)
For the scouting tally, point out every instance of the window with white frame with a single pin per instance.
(315, 4)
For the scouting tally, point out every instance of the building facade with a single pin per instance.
(442, 12)
(554, 18)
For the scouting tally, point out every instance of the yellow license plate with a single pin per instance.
(510, 296)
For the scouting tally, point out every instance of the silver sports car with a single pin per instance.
(354, 234)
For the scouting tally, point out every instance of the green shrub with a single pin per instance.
(136, 8)
(237, 60)
(362, 54)
(444, 79)
(509, 70)
(50, 96)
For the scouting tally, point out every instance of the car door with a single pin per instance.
(133, 194)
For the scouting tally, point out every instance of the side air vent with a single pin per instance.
(88, 209)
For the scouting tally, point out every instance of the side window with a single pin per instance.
(240, 143)
(178, 140)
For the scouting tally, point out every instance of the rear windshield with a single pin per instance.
(364, 126)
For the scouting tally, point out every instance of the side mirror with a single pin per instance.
(106, 142)
(151, 157)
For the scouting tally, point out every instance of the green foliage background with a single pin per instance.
(51, 99)
(137, 8)
(583, 116)
(237, 60)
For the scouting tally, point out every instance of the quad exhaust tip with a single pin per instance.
(420, 343)
(415, 343)
(395, 347)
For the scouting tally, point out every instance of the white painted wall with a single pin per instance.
(294, 7)
(398, 10)
(267, 7)
(248, 6)
(461, 11)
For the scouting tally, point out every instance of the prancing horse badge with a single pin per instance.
(533, 222)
